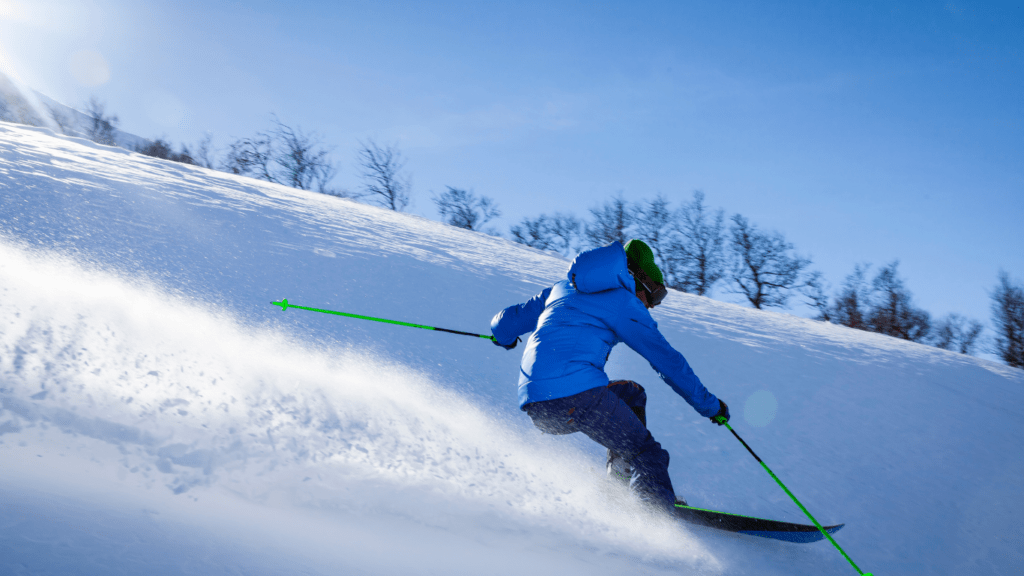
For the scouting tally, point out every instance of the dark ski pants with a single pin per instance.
(613, 416)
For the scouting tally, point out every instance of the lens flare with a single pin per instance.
(760, 408)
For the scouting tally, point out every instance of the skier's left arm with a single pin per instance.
(640, 332)
(512, 322)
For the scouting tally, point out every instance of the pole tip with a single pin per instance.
(283, 304)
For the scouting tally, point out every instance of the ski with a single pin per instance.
(775, 529)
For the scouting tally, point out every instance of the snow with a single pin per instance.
(159, 416)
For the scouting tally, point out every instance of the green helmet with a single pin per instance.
(640, 256)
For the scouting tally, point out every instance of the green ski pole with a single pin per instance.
(285, 305)
(722, 420)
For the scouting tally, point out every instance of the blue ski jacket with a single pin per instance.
(578, 321)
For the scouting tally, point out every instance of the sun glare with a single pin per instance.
(12, 10)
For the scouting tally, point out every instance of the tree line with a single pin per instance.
(696, 248)
(282, 154)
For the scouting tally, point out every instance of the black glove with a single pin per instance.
(723, 411)
(505, 346)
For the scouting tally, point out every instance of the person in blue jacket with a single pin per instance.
(562, 383)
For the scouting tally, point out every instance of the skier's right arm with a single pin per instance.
(514, 321)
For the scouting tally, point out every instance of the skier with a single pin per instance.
(562, 383)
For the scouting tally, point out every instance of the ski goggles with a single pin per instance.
(654, 291)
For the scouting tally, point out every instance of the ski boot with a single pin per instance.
(618, 469)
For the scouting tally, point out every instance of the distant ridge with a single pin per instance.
(35, 110)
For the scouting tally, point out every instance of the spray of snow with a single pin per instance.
(195, 402)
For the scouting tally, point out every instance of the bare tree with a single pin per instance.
(284, 155)
(954, 332)
(65, 123)
(1008, 318)
(560, 233)
(815, 290)
(301, 159)
(381, 169)
(764, 268)
(184, 155)
(533, 233)
(654, 223)
(465, 209)
(850, 307)
(158, 148)
(699, 247)
(612, 222)
(205, 153)
(892, 311)
(162, 149)
(566, 233)
(100, 127)
(251, 157)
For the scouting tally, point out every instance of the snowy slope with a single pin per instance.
(159, 416)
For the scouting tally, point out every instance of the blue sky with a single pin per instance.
(865, 132)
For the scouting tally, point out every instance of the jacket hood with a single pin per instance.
(601, 269)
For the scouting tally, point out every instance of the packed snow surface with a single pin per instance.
(159, 416)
